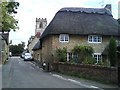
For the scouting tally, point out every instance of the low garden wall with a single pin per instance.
(94, 72)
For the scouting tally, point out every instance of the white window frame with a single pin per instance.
(97, 59)
(91, 39)
(69, 54)
(63, 36)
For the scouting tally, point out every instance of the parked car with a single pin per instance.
(27, 57)
(10, 54)
(22, 55)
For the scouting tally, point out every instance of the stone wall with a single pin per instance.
(51, 43)
(37, 55)
(47, 49)
(78, 40)
(99, 73)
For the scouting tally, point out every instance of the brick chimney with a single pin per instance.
(108, 7)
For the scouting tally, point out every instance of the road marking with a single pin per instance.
(58, 76)
(93, 87)
(76, 82)
(79, 83)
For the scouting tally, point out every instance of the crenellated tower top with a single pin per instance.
(41, 24)
(41, 19)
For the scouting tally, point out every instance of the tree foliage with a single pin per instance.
(17, 49)
(112, 52)
(8, 9)
(62, 54)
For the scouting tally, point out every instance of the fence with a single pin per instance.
(94, 72)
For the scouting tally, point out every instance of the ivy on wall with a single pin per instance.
(84, 54)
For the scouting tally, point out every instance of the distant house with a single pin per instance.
(78, 26)
(4, 47)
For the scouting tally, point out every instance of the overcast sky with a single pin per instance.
(29, 10)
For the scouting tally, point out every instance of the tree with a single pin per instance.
(112, 52)
(17, 49)
(7, 15)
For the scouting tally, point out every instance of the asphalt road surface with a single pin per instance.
(24, 74)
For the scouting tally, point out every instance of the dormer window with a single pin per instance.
(95, 39)
(63, 38)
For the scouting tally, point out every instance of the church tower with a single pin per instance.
(41, 24)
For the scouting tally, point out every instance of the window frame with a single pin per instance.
(63, 39)
(94, 39)
(97, 59)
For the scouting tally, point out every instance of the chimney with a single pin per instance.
(108, 7)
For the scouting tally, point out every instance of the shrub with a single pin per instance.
(83, 52)
(112, 52)
(61, 54)
(89, 60)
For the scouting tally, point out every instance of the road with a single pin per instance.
(24, 74)
(0, 77)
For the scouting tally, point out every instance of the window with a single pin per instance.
(98, 57)
(94, 39)
(41, 25)
(72, 57)
(64, 38)
(69, 56)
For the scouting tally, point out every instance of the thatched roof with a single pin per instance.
(37, 46)
(82, 21)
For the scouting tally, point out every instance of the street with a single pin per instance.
(24, 74)
(0, 77)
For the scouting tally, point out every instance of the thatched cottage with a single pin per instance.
(77, 26)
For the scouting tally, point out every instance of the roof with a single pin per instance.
(82, 21)
(38, 34)
(87, 10)
(37, 46)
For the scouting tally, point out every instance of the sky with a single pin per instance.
(29, 10)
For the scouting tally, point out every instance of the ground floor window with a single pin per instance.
(69, 56)
(72, 57)
(98, 57)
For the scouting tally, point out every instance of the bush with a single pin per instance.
(61, 54)
(89, 60)
(112, 52)
(83, 52)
